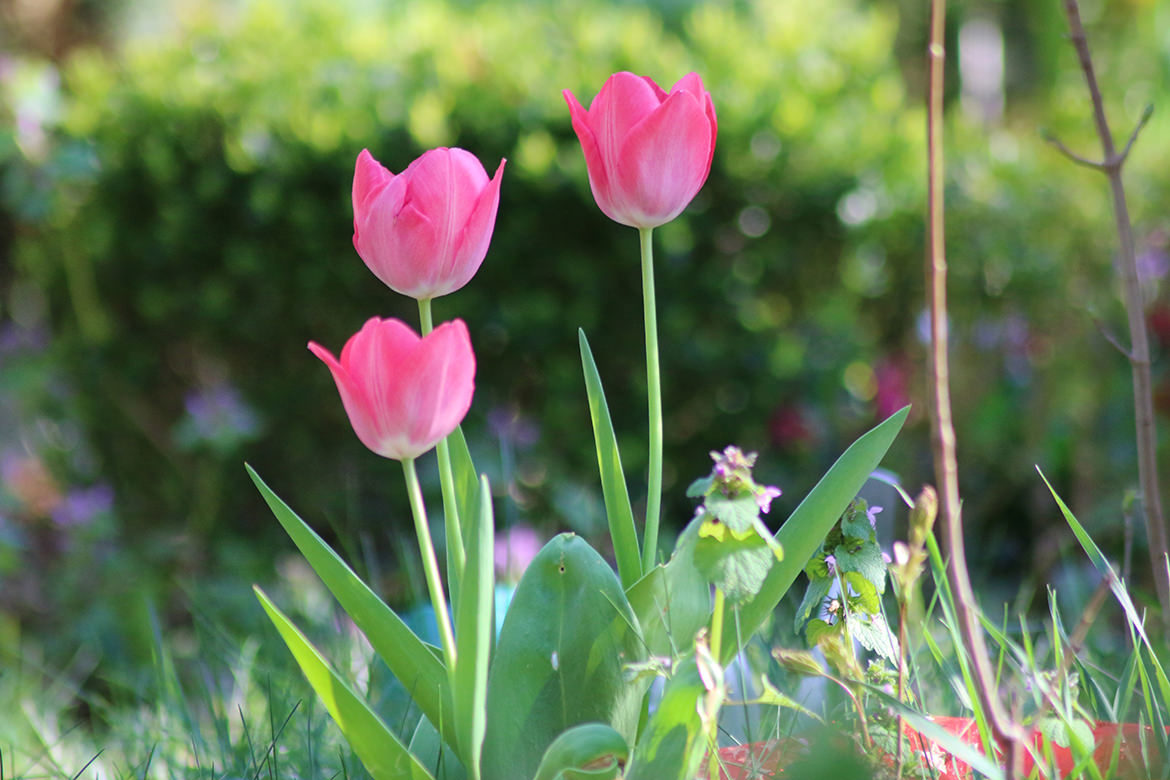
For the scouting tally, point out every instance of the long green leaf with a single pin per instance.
(613, 480)
(473, 638)
(384, 755)
(413, 662)
(466, 502)
(806, 527)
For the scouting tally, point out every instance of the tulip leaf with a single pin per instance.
(672, 745)
(434, 753)
(466, 502)
(382, 753)
(590, 751)
(560, 659)
(673, 601)
(801, 536)
(613, 480)
(474, 626)
(416, 665)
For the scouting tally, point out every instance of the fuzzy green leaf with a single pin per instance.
(805, 529)
(738, 567)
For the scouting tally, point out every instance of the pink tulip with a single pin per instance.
(403, 394)
(425, 231)
(648, 152)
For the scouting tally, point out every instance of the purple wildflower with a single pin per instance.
(80, 506)
(764, 498)
(872, 513)
(831, 563)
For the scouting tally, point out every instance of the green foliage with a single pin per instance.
(560, 658)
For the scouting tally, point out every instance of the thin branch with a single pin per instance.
(1108, 336)
(1070, 154)
(1003, 727)
(1135, 311)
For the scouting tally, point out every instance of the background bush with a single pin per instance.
(184, 229)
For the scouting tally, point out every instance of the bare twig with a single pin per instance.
(1135, 310)
(1006, 732)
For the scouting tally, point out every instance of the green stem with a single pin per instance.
(717, 625)
(457, 557)
(430, 564)
(654, 391)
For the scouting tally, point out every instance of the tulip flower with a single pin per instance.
(425, 231)
(402, 393)
(648, 151)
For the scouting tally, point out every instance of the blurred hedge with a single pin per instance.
(190, 229)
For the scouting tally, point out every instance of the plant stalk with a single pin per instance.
(457, 557)
(942, 428)
(426, 549)
(654, 392)
(1139, 353)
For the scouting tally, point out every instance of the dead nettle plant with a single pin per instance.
(1138, 352)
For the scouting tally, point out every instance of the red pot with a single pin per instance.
(767, 759)
(1126, 739)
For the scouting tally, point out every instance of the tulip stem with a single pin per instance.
(430, 564)
(654, 391)
(456, 557)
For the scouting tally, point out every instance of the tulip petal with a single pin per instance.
(369, 177)
(471, 246)
(666, 159)
(443, 383)
(599, 177)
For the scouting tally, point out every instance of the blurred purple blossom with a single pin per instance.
(514, 550)
(831, 563)
(507, 423)
(1153, 264)
(16, 339)
(872, 513)
(81, 505)
(219, 416)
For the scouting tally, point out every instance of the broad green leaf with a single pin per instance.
(474, 625)
(673, 601)
(805, 529)
(672, 745)
(435, 754)
(591, 751)
(560, 658)
(613, 480)
(413, 662)
(382, 753)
